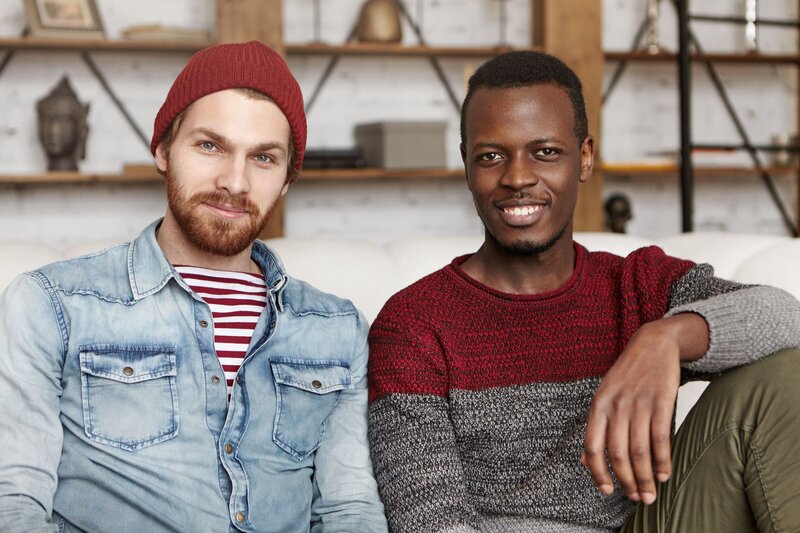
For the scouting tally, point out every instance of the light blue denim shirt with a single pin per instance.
(114, 414)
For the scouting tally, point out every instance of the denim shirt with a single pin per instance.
(114, 413)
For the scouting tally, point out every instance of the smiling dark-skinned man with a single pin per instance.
(507, 387)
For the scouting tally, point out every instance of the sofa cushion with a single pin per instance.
(416, 257)
(724, 251)
(777, 265)
(357, 270)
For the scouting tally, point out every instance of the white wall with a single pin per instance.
(640, 119)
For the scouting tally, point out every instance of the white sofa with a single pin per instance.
(370, 273)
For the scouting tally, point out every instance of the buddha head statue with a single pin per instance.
(62, 127)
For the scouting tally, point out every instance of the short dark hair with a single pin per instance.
(524, 69)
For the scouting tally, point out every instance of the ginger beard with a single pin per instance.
(214, 234)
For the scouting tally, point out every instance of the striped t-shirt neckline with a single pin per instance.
(236, 300)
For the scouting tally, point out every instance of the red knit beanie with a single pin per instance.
(230, 66)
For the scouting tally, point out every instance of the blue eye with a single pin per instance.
(263, 158)
(207, 145)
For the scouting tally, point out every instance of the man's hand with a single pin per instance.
(631, 414)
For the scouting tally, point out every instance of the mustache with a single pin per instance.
(238, 202)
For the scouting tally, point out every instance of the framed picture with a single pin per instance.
(64, 19)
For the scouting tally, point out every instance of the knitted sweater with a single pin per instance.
(479, 399)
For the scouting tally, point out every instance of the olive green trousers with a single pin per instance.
(736, 457)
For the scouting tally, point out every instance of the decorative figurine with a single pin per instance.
(618, 212)
(379, 22)
(651, 40)
(751, 26)
(62, 127)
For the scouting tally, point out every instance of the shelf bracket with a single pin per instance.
(437, 67)
(114, 98)
(686, 165)
(7, 58)
(434, 61)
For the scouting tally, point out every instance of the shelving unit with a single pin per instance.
(557, 30)
(685, 170)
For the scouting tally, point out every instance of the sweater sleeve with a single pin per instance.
(745, 322)
(414, 453)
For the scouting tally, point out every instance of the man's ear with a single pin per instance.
(161, 157)
(285, 188)
(587, 158)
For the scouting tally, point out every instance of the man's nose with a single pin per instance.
(233, 176)
(519, 173)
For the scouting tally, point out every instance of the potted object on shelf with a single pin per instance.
(379, 22)
(62, 127)
(751, 26)
(401, 144)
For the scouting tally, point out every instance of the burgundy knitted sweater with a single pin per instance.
(479, 399)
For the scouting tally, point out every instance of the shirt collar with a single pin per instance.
(149, 270)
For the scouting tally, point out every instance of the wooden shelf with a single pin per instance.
(336, 174)
(145, 175)
(101, 45)
(658, 170)
(704, 58)
(379, 49)
(51, 178)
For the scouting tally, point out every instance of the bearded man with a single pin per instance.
(182, 381)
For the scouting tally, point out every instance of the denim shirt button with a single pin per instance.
(128, 371)
(215, 379)
(240, 517)
(316, 384)
(272, 325)
(204, 323)
(239, 379)
(228, 448)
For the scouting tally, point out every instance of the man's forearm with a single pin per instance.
(745, 323)
(744, 326)
(30, 429)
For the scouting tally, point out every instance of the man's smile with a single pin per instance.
(521, 212)
(225, 210)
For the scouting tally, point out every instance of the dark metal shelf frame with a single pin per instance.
(690, 50)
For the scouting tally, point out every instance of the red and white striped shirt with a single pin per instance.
(236, 300)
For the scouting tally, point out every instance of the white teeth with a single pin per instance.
(522, 211)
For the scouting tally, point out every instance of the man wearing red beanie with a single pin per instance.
(183, 381)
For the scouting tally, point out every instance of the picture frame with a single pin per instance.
(65, 19)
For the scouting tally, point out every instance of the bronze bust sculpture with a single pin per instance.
(62, 127)
(618, 212)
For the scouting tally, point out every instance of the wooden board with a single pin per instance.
(571, 30)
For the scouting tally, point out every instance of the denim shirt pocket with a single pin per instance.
(130, 398)
(307, 393)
